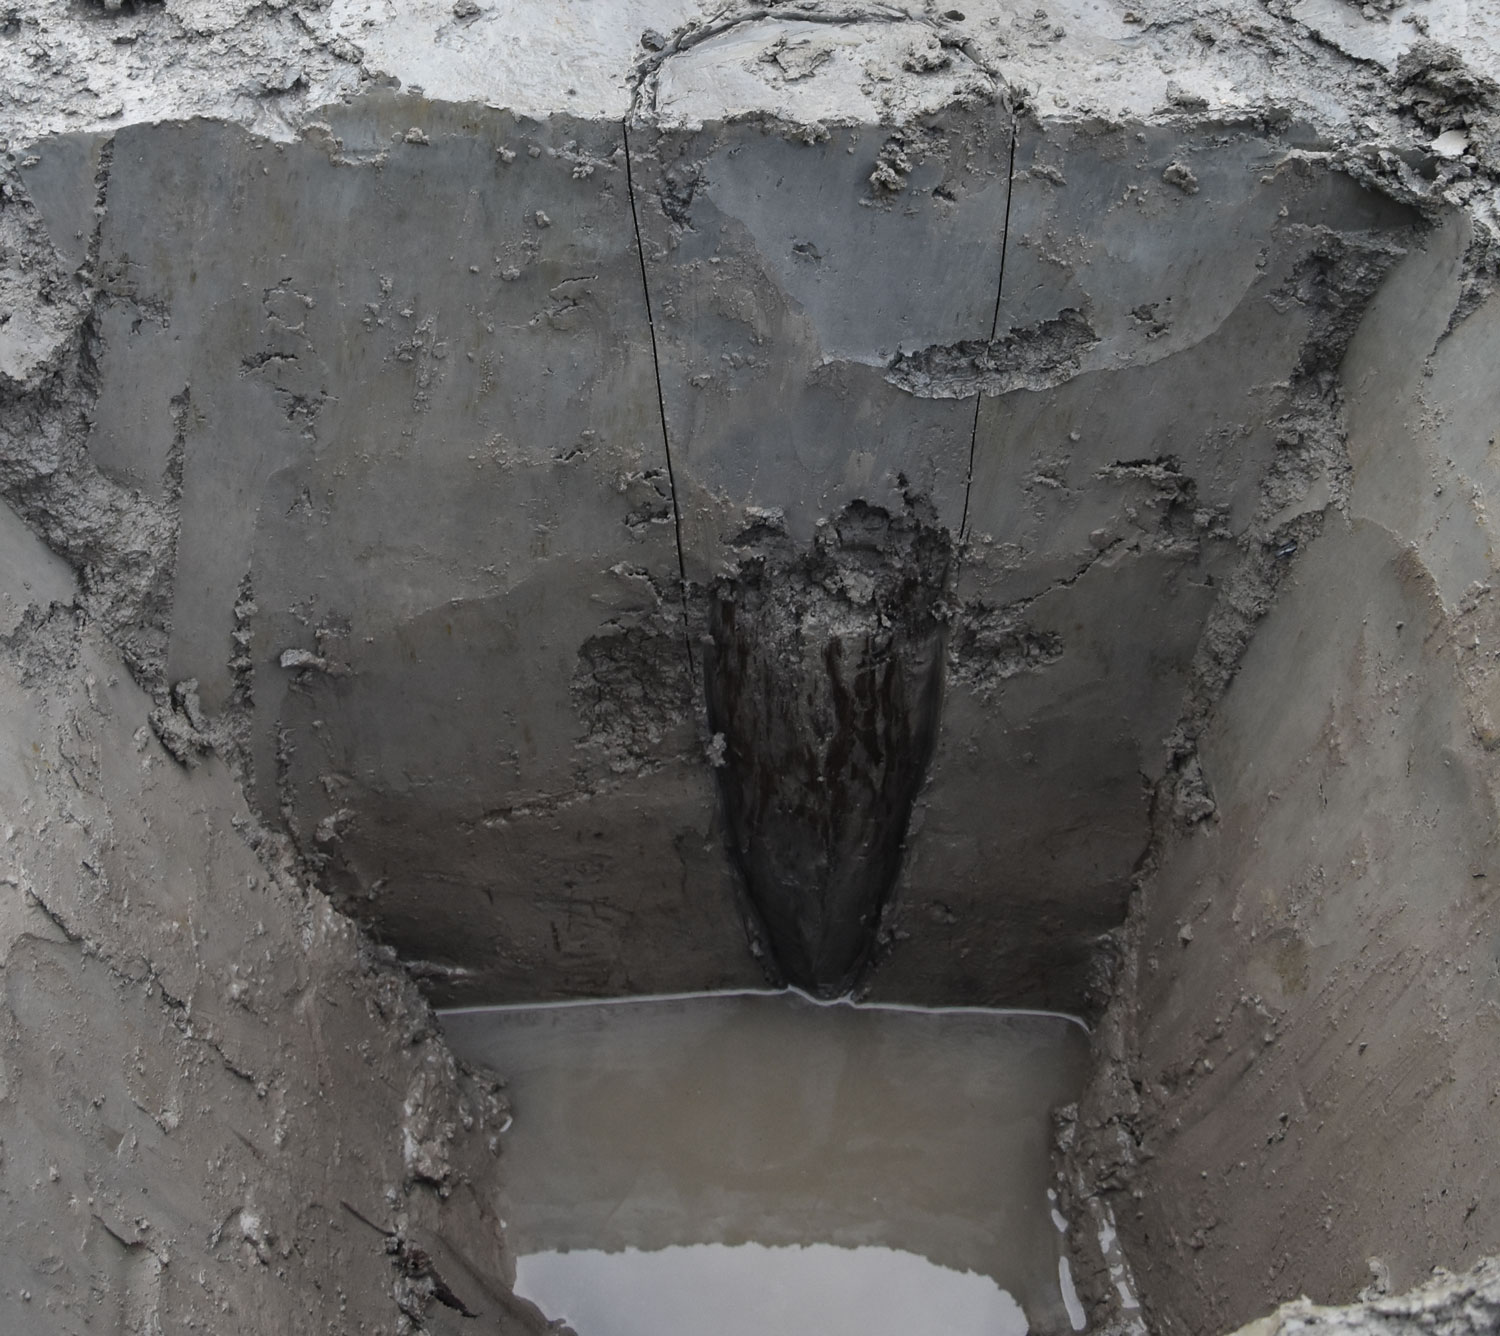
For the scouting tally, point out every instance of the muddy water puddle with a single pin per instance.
(752, 1163)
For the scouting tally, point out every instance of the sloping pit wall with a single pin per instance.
(1317, 1022)
(428, 482)
(203, 1066)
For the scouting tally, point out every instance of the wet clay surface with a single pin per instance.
(824, 686)
(751, 1147)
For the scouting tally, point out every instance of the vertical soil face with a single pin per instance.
(824, 685)
(424, 423)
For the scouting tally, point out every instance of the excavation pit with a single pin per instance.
(760, 1162)
(527, 503)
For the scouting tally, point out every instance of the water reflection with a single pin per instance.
(752, 1290)
(713, 1153)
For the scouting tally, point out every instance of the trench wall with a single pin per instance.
(203, 1066)
(1319, 965)
(405, 458)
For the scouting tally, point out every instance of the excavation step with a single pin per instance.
(744, 1163)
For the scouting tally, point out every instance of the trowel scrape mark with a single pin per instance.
(44, 642)
(991, 645)
(631, 688)
(120, 540)
(1334, 282)
(824, 678)
(1028, 357)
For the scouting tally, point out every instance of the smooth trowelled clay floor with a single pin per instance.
(758, 1162)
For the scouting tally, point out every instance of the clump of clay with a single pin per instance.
(1179, 174)
(1032, 357)
(891, 167)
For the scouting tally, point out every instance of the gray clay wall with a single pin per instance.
(1317, 965)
